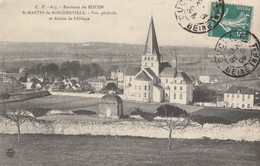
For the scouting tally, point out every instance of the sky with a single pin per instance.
(129, 25)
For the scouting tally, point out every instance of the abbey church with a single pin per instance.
(155, 80)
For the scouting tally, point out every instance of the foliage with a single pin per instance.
(111, 86)
(170, 111)
(209, 119)
(204, 94)
(66, 70)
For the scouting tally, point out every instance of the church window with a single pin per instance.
(145, 88)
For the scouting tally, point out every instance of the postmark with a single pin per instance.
(236, 17)
(237, 57)
(199, 16)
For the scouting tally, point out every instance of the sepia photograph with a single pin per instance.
(129, 82)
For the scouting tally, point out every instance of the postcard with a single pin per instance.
(129, 82)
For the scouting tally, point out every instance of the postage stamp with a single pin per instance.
(195, 15)
(237, 57)
(236, 17)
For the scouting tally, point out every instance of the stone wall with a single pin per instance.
(247, 130)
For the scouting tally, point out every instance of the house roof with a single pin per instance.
(239, 89)
(110, 98)
(168, 72)
(185, 77)
(132, 70)
(150, 72)
(142, 76)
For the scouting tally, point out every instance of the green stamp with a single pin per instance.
(235, 18)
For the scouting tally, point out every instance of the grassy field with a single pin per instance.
(68, 103)
(57, 150)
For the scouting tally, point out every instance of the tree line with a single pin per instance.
(68, 69)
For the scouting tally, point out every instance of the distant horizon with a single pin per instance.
(57, 42)
(128, 26)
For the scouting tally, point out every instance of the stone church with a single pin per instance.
(155, 80)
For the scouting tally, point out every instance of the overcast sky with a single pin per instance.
(130, 25)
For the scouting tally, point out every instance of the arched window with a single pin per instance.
(145, 87)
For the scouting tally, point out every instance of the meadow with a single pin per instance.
(59, 150)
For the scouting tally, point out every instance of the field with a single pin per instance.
(50, 150)
(68, 103)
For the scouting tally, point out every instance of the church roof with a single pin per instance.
(110, 98)
(150, 71)
(142, 76)
(168, 72)
(158, 86)
(132, 70)
(151, 44)
(239, 89)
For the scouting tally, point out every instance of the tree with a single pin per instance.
(18, 114)
(173, 118)
(111, 86)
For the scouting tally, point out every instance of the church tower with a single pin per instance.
(151, 57)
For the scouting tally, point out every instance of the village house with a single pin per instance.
(156, 80)
(239, 97)
(97, 84)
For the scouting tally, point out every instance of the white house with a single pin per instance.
(156, 80)
(239, 97)
(97, 84)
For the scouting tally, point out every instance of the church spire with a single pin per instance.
(151, 44)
